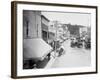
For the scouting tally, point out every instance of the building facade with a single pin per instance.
(44, 27)
(31, 24)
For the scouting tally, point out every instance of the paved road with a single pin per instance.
(73, 57)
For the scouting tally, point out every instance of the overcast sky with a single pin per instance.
(72, 18)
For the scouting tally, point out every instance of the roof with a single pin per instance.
(45, 18)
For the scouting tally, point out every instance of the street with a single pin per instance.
(73, 57)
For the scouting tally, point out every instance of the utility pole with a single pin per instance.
(55, 45)
(56, 26)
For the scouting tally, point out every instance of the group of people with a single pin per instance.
(81, 42)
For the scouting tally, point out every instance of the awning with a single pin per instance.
(35, 49)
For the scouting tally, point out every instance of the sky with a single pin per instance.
(72, 18)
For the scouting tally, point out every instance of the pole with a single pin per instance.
(55, 45)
